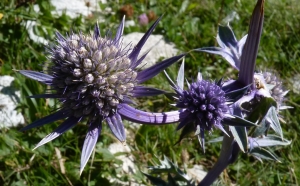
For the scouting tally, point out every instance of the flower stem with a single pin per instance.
(223, 161)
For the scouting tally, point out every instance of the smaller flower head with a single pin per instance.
(205, 102)
(204, 105)
(274, 85)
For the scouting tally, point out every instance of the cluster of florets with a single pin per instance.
(275, 87)
(92, 74)
(205, 102)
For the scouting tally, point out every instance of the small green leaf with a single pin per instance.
(167, 166)
(262, 108)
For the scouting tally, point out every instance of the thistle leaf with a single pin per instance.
(261, 153)
(238, 121)
(180, 76)
(240, 135)
(272, 118)
(271, 140)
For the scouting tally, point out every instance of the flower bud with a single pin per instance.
(109, 92)
(97, 56)
(77, 72)
(82, 52)
(113, 102)
(87, 63)
(102, 68)
(73, 44)
(99, 104)
(72, 57)
(100, 80)
(89, 78)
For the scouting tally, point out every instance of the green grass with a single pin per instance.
(188, 24)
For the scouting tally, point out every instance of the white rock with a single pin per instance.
(295, 82)
(129, 23)
(156, 44)
(128, 164)
(74, 8)
(30, 27)
(197, 173)
(9, 99)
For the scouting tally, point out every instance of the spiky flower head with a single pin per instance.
(275, 88)
(203, 107)
(205, 103)
(93, 74)
(94, 77)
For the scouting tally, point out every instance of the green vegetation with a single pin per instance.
(188, 24)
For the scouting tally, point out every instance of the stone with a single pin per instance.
(128, 164)
(155, 45)
(196, 173)
(9, 99)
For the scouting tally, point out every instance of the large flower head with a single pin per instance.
(93, 76)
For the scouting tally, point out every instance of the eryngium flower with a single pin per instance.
(200, 108)
(203, 106)
(204, 103)
(274, 85)
(93, 77)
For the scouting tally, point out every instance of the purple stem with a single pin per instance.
(223, 161)
(230, 149)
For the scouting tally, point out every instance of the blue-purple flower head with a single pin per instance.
(93, 77)
(204, 102)
(204, 105)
